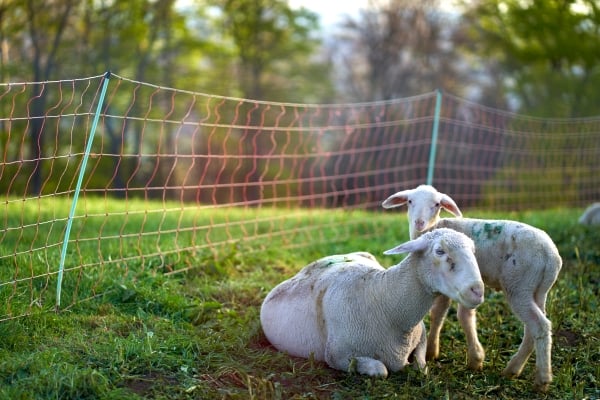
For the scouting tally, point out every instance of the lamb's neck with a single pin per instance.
(406, 299)
(458, 224)
(413, 233)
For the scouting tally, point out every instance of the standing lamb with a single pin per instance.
(591, 215)
(516, 258)
(350, 312)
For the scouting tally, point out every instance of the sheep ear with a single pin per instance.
(449, 205)
(397, 199)
(418, 244)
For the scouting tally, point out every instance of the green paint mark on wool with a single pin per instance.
(332, 260)
(489, 231)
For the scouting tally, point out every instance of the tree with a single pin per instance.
(273, 45)
(394, 49)
(548, 57)
(143, 39)
(45, 31)
(548, 52)
(275, 59)
(259, 49)
(399, 48)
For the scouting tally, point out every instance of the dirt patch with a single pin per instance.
(143, 385)
(568, 338)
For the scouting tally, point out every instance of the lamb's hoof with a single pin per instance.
(542, 384)
(432, 354)
(542, 387)
(513, 368)
(475, 365)
(509, 373)
(475, 357)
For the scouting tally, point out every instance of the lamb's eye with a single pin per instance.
(437, 205)
(440, 252)
(410, 202)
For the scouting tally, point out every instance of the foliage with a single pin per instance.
(548, 51)
(259, 50)
(178, 45)
(196, 334)
(274, 46)
(400, 48)
(539, 57)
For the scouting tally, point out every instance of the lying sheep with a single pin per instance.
(350, 312)
(591, 215)
(516, 258)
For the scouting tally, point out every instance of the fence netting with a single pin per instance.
(174, 172)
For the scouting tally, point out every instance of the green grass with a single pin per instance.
(194, 335)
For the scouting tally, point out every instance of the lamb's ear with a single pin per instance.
(449, 205)
(397, 199)
(418, 244)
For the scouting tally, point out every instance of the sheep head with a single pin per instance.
(451, 267)
(424, 206)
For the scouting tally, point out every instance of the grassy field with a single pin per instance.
(196, 335)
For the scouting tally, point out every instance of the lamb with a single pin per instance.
(350, 312)
(516, 258)
(591, 215)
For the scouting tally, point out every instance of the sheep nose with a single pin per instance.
(477, 291)
(420, 224)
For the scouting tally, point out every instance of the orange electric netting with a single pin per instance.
(176, 176)
(489, 158)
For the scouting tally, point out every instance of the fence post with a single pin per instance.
(86, 155)
(434, 136)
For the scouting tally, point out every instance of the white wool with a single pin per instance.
(514, 257)
(350, 312)
(591, 215)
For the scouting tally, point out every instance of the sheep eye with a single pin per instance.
(440, 252)
(437, 205)
(410, 202)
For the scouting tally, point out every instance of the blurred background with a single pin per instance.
(539, 58)
(241, 121)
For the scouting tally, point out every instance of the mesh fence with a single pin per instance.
(173, 173)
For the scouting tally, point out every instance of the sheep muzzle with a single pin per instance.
(473, 295)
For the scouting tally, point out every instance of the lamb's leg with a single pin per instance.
(517, 362)
(543, 357)
(437, 314)
(543, 346)
(475, 351)
(538, 333)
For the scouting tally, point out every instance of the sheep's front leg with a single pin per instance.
(368, 366)
(475, 351)
(341, 358)
(438, 312)
(419, 353)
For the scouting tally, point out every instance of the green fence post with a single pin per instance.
(63, 253)
(434, 136)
